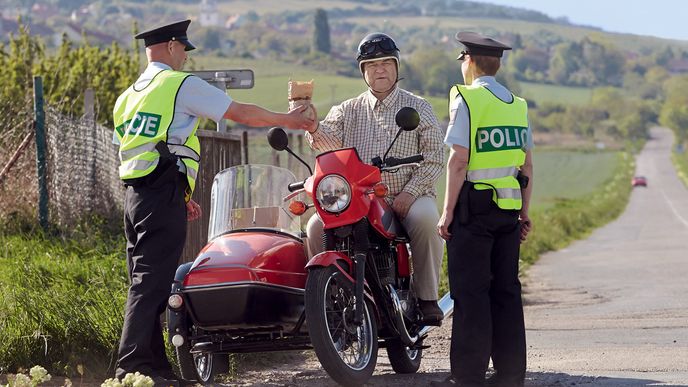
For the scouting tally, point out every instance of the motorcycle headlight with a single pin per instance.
(333, 193)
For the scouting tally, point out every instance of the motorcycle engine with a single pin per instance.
(386, 270)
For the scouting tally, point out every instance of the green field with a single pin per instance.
(541, 93)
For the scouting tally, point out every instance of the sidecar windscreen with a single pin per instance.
(251, 196)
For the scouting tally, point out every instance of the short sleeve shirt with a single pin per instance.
(196, 99)
(458, 130)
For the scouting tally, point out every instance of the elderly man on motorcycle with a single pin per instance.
(367, 123)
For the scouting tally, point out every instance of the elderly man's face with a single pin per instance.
(380, 74)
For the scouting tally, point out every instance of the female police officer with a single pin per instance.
(485, 218)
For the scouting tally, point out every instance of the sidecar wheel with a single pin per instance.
(202, 367)
(347, 352)
(403, 359)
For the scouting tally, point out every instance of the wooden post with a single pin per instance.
(244, 146)
(39, 119)
(89, 105)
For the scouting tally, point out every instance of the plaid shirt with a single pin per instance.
(369, 126)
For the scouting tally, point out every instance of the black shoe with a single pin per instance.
(431, 314)
(495, 381)
(448, 382)
(160, 381)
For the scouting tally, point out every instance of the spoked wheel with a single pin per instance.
(404, 360)
(203, 367)
(347, 351)
(209, 365)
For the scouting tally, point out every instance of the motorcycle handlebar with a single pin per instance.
(393, 161)
(295, 186)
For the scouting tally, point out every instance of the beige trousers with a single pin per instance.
(427, 247)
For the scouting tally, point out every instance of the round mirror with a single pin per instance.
(278, 139)
(407, 118)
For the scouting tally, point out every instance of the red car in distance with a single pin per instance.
(639, 181)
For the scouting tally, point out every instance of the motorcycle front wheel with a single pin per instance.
(404, 360)
(348, 352)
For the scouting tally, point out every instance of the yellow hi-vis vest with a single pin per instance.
(142, 119)
(499, 134)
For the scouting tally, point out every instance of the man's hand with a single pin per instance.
(402, 204)
(297, 119)
(525, 226)
(314, 126)
(193, 211)
(444, 223)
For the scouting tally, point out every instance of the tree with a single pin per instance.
(321, 34)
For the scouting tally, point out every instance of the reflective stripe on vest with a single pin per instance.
(179, 150)
(497, 143)
(491, 173)
(142, 119)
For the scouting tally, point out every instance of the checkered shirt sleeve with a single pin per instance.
(369, 125)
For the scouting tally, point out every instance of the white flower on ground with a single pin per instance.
(113, 382)
(39, 374)
(21, 380)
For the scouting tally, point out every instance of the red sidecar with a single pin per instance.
(244, 292)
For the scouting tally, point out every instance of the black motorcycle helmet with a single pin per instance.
(376, 46)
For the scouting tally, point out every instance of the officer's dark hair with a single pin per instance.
(487, 65)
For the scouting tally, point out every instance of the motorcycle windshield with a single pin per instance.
(251, 196)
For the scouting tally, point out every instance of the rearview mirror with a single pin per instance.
(278, 139)
(407, 118)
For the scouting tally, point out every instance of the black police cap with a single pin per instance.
(175, 31)
(477, 44)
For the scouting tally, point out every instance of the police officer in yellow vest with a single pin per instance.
(485, 218)
(155, 126)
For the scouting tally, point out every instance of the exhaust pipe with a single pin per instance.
(447, 306)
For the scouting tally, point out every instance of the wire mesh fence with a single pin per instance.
(81, 168)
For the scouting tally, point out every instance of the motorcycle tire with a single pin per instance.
(403, 360)
(319, 281)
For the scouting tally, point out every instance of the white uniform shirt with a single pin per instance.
(459, 130)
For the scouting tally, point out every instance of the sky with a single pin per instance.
(661, 18)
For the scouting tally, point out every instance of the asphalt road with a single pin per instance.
(610, 310)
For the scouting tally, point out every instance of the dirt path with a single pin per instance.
(611, 310)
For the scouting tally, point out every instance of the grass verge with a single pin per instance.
(680, 161)
(61, 300)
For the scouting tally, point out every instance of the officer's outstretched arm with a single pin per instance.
(254, 115)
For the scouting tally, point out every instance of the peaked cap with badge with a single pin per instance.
(175, 31)
(477, 44)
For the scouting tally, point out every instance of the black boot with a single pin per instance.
(431, 314)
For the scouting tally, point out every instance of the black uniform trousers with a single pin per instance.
(155, 228)
(483, 256)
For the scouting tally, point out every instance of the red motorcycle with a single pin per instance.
(252, 289)
(359, 292)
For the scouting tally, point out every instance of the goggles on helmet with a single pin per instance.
(384, 45)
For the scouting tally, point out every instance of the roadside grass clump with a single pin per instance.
(680, 161)
(61, 299)
(570, 219)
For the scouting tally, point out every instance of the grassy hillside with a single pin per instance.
(624, 41)
(541, 93)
